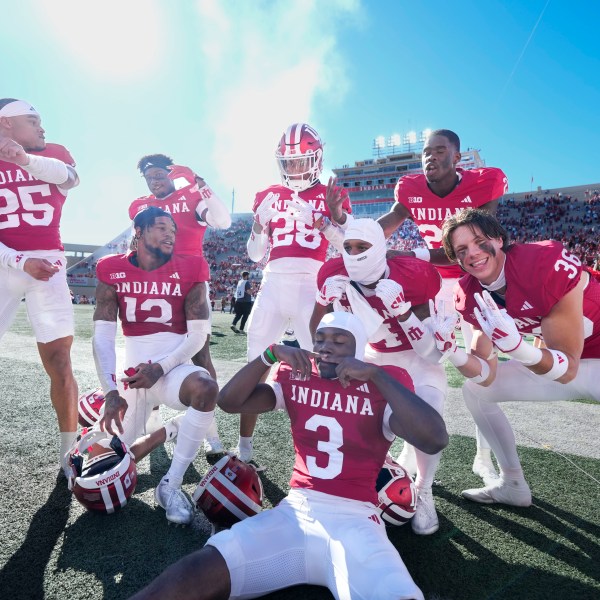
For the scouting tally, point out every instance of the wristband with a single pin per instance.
(559, 367)
(343, 226)
(269, 352)
(265, 361)
(422, 254)
(459, 358)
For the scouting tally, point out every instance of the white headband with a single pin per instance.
(18, 108)
(348, 322)
(369, 266)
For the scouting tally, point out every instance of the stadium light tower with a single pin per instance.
(395, 141)
(378, 144)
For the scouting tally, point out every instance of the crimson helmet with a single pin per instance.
(105, 482)
(89, 406)
(396, 493)
(300, 156)
(229, 492)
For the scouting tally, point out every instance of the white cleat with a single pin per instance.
(425, 521)
(501, 492)
(178, 508)
(244, 454)
(213, 446)
(408, 459)
(484, 468)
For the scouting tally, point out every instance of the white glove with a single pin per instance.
(496, 323)
(442, 327)
(300, 210)
(267, 210)
(333, 289)
(392, 296)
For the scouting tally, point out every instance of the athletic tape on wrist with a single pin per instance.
(485, 371)
(526, 353)
(559, 367)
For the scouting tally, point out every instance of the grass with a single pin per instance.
(52, 548)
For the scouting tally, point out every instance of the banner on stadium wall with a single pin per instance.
(82, 281)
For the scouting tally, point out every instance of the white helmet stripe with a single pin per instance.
(85, 403)
(107, 499)
(237, 492)
(232, 508)
(120, 492)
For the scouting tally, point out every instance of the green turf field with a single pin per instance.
(52, 548)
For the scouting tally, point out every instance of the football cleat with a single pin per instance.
(230, 492)
(172, 427)
(104, 482)
(178, 508)
(299, 154)
(425, 521)
(244, 454)
(213, 446)
(396, 493)
(484, 468)
(501, 492)
(234, 329)
(89, 406)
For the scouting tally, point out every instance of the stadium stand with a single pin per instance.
(569, 215)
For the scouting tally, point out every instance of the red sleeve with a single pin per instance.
(334, 266)
(400, 375)
(59, 152)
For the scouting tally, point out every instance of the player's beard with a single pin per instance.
(160, 254)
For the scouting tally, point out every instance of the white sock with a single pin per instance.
(212, 433)
(67, 439)
(482, 444)
(245, 442)
(192, 430)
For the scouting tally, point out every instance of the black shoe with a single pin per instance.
(234, 329)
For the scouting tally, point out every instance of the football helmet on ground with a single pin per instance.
(89, 406)
(229, 492)
(396, 493)
(102, 483)
(300, 156)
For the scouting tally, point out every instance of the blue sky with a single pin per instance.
(214, 83)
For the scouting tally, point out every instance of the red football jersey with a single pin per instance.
(475, 188)
(537, 276)
(182, 205)
(337, 432)
(419, 280)
(152, 301)
(293, 239)
(30, 209)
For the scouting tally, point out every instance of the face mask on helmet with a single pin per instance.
(300, 157)
(396, 493)
(105, 482)
(229, 492)
(89, 406)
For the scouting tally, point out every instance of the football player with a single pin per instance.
(344, 415)
(292, 219)
(428, 199)
(194, 207)
(397, 292)
(35, 178)
(538, 289)
(160, 299)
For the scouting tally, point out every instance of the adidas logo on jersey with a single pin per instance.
(526, 306)
(320, 197)
(363, 388)
(175, 276)
(467, 200)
